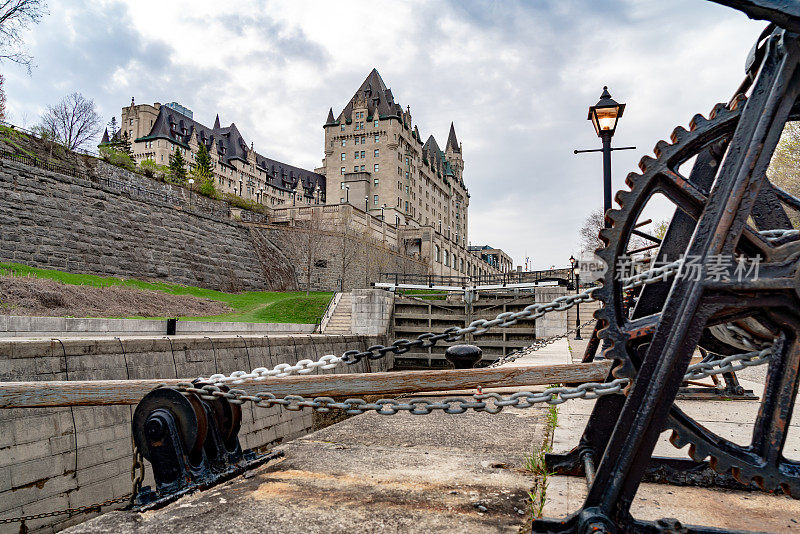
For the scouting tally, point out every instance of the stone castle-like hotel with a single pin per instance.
(376, 168)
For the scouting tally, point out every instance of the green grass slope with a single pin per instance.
(249, 306)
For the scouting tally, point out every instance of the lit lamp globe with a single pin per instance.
(605, 114)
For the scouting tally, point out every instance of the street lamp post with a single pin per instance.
(191, 183)
(366, 204)
(572, 261)
(383, 223)
(578, 304)
(604, 116)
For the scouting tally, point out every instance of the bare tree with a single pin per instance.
(2, 100)
(74, 121)
(784, 168)
(306, 246)
(590, 230)
(588, 233)
(349, 248)
(15, 17)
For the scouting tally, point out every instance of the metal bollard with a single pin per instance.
(463, 356)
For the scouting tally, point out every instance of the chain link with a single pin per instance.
(510, 357)
(777, 234)
(79, 510)
(450, 335)
(136, 481)
(137, 473)
(523, 399)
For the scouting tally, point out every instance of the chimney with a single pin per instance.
(157, 105)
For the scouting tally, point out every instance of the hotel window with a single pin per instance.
(363, 154)
(131, 124)
(376, 153)
(355, 169)
(355, 155)
(344, 142)
(376, 180)
(376, 170)
(438, 253)
(357, 139)
(375, 200)
(341, 200)
(446, 259)
(342, 127)
(342, 171)
(377, 138)
(341, 186)
(376, 124)
(362, 167)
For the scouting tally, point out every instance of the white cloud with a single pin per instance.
(515, 77)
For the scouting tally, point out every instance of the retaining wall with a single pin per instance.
(29, 327)
(85, 225)
(55, 458)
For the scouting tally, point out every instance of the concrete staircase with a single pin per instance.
(341, 320)
(587, 312)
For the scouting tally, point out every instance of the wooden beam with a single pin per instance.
(115, 392)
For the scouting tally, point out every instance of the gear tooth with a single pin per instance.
(791, 489)
(677, 440)
(719, 464)
(604, 233)
(717, 109)
(660, 147)
(697, 121)
(631, 179)
(621, 197)
(645, 162)
(737, 101)
(678, 134)
(698, 454)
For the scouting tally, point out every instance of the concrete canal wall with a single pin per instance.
(57, 458)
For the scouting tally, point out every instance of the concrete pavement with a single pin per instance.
(730, 509)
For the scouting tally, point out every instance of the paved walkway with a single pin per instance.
(699, 506)
(373, 473)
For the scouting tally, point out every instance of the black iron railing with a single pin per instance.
(560, 276)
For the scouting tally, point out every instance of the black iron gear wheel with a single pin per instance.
(626, 332)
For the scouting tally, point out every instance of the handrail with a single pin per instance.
(329, 311)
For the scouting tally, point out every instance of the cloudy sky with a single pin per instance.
(516, 78)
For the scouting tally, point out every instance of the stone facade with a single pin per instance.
(375, 158)
(156, 131)
(554, 323)
(371, 311)
(81, 225)
(337, 260)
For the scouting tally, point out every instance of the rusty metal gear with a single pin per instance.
(626, 332)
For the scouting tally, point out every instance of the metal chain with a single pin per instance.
(136, 480)
(79, 510)
(523, 399)
(510, 357)
(729, 364)
(777, 234)
(450, 335)
(652, 276)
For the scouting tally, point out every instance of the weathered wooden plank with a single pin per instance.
(111, 392)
